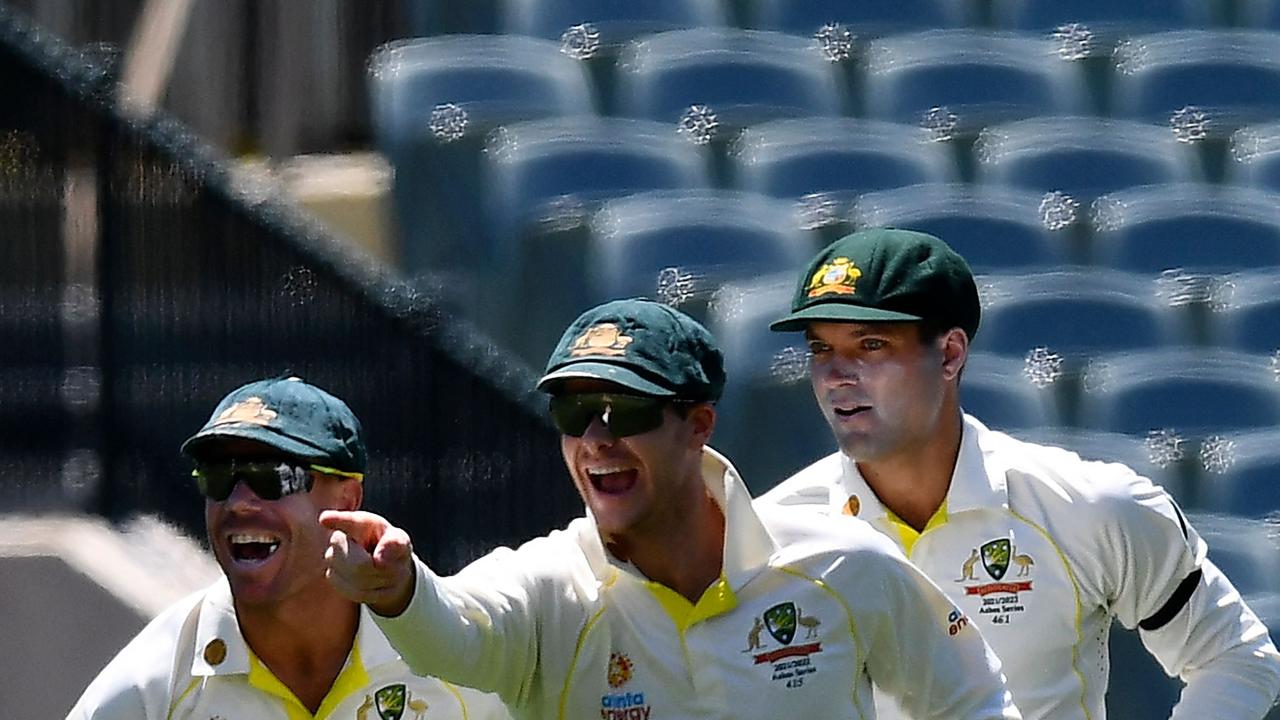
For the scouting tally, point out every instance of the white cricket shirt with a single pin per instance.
(807, 612)
(192, 662)
(1041, 549)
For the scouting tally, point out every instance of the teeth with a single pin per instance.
(240, 538)
(606, 470)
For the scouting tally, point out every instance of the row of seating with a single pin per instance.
(976, 77)
(619, 19)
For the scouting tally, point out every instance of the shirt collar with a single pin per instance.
(220, 649)
(977, 482)
(747, 545)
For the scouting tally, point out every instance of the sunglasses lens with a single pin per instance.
(572, 414)
(268, 480)
(622, 415)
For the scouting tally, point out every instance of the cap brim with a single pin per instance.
(266, 436)
(838, 312)
(607, 372)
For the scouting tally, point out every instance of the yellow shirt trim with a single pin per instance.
(352, 678)
(717, 599)
(907, 534)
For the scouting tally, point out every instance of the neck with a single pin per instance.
(304, 641)
(685, 554)
(913, 483)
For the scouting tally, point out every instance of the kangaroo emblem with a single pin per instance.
(809, 623)
(362, 712)
(967, 569)
(753, 637)
(1024, 562)
(419, 708)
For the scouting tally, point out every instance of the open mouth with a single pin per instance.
(850, 411)
(252, 547)
(612, 480)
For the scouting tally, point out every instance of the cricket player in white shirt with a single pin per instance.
(272, 640)
(1038, 547)
(672, 597)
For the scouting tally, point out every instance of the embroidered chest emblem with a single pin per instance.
(790, 661)
(1007, 578)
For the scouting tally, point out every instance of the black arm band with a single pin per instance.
(1175, 604)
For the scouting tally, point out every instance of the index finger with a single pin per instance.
(365, 528)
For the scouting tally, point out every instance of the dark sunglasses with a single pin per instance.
(269, 480)
(622, 415)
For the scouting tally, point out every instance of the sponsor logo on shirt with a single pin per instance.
(790, 662)
(625, 705)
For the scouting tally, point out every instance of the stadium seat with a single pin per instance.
(595, 31)
(1255, 157)
(1260, 14)
(1107, 18)
(868, 18)
(1081, 157)
(979, 77)
(769, 421)
(440, 17)
(1231, 76)
(433, 102)
(997, 391)
(742, 77)
(616, 21)
(994, 228)
(1192, 392)
(1188, 227)
(826, 163)
(1077, 314)
(544, 180)
(1128, 450)
(1243, 549)
(1241, 474)
(1248, 318)
(680, 246)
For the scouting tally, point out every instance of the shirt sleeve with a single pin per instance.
(1189, 616)
(924, 652)
(478, 628)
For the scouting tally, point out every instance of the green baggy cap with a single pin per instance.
(292, 416)
(885, 274)
(642, 345)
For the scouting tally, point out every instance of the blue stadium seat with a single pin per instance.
(1241, 475)
(1255, 157)
(1077, 314)
(1232, 76)
(616, 21)
(1105, 17)
(595, 31)
(1249, 316)
(867, 18)
(1128, 450)
(1243, 549)
(679, 246)
(997, 391)
(1193, 392)
(1261, 14)
(433, 102)
(769, 421)
(743, 77)
(1190, 227)
(441, 17)
(994, 228)
(980, 77)
(1081, 157)
(544, 180)
(826, 163)
(535, 169)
